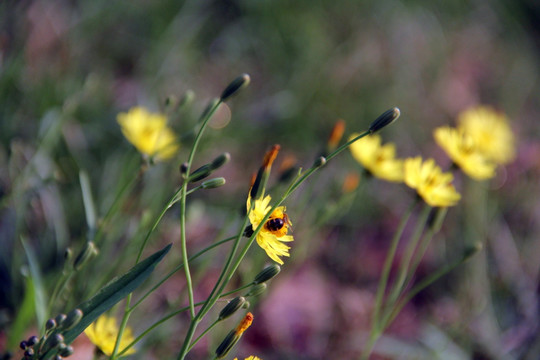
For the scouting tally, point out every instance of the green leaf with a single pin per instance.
(24, 315)
(39, 295)
(115, 291)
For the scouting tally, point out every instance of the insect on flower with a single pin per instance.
(277, 223)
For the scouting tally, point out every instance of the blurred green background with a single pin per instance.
(68, 67)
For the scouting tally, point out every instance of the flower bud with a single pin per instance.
(52, 342)
(220, 161)
(186, 99)
(335, 136)
(267, 274)
(86, 254)
(246, 305)
(254, 191)
(68, 254)
(235, 86)
(60, 319)
(231, 307)
(23, 344)
(385, 119)
(226, 345)
(319, 162)
(183, 170)
(29, 353)
(213, 183)
(471, 250)
(65, 352)
(71, 320)
(256, 290)
(50, 324)
(32, 340)
(201, 173)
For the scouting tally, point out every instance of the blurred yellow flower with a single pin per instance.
(434, 186)
(461, 148)
(103, 332)
(490, 132)
(250, 358)
(378, 159)
(149, 133)
(274, 231)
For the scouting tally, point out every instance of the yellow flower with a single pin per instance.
(378, 159)
(274, 231)
(461, 148)
(250, 358)
(148, 132)
(103, 332)
(490, 132)
(434, 186)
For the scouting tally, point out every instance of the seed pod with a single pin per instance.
(235, 86)
(267, 273)
(231, 307)
(65, 352)
(385, 119)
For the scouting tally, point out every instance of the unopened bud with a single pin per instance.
(23, 344)
(335, 135)
(220, 161)
(187, 99)
(86, 254)
(71, 320)
(65, 352)
(52, 342)
(256, 184)
(68, 254)
(256, 290)
(183, 170)
(50, 324)
(29, 353)
(246, 305)
(213, 183)
(321, 161)
(267, 274)
(231, 307)
(235, 86)
(471, 250)
(60, 319)
(32, 340)
(201, 173)
(385, 119)
(227, 344)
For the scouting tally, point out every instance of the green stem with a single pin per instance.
(203, 333)
(166, 277)
(409, 252)
(376, 329)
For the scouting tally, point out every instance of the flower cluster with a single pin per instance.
(481, 141)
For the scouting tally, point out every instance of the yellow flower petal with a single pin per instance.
(103, 332)
(270, 239)
(490, 131)
(434, 186)
(462, 149)
(149, 133)
(378, 159)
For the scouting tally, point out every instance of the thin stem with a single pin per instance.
(409, 251)
(166, 277)
(203, 333)
(375, 326)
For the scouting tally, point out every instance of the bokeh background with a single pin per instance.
(68, 67)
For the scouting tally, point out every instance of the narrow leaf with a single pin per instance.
(113, 292)
(39, 295)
